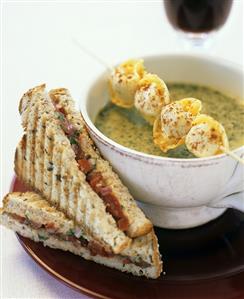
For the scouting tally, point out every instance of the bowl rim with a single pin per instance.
(125, 151)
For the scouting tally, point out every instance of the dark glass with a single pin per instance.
(197, 16)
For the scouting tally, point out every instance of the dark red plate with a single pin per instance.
(201, 263)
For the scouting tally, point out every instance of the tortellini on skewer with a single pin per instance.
(207, 137)
(175, 121)
(151, 95)
(123, 82)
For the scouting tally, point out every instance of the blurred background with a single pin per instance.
(37, 47)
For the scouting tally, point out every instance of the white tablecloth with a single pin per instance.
(37, 47)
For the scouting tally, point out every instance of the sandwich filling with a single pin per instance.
(49, 229)
(88, 166)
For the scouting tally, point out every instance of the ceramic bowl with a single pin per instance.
(175, 193)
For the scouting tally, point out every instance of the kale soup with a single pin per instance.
(128, 128)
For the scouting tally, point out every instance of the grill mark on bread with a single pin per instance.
(74, 191)
(39, 151)
(57, 177)
(23, 150)
(72, 196)
(29, 139)
(47, 161)
(64, 200)
(41, 147)
(34, 131)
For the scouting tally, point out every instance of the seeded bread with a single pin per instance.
(45, 161)
(143, 250)
(33, 207)
(139, 224)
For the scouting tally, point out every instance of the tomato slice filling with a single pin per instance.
(94, 178)
(94, 247)
(113, 206)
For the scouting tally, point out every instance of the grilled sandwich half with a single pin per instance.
(57, 158)
(33, 217)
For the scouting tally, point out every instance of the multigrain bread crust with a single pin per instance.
(45, 161)
(35, 209)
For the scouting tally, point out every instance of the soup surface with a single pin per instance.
(128, 128)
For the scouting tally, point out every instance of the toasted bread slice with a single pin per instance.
(33, 217)
(45, 161)
(138, 223)
(40, 119)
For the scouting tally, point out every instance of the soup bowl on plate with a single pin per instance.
(175, 193)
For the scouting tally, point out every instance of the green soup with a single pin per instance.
(128, 128)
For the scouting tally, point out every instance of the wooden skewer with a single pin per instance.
(91, 54)
(232, 155)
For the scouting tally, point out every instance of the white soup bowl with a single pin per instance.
(175, 193)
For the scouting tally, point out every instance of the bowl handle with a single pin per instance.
(234, 201)
(233, 195)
